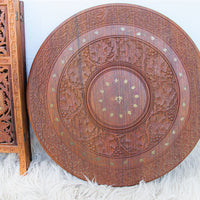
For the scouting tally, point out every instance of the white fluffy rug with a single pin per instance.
(47, 181)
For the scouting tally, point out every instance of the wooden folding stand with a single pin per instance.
(14, 132)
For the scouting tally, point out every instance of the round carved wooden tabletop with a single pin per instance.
(113, 94)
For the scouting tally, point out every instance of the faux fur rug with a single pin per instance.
(47, 181)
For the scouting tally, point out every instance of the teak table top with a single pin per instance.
(113, 94)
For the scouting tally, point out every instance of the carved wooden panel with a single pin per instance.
(7, 132)
(113, 94)
(3, 31)
(13, 120)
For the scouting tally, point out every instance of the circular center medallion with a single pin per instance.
(118, 98)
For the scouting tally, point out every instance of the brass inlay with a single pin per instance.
(54, 75)
(116, 80)
(97, 158)
(138, 33)
(153, 152)
(175, 59)
(96, 32)
(129, 112)
(84, 154)
(183, 104)
(1, 108)
(141, 160)
(72, 143)
(53, 89)
(61, 133)
(185, 88)
(111, 114)
(136, 96)
(125, 81)
(84, 40)
(118, 99)
(135, 105)
(166, 144)
(56, 119)
(70, 49)
(107, 84)
(126, 162)
(63, 61)
(103, 109)
(102, 91)
(111, 163)
(182, 118)
(165, 50)
(100, 100)
(133, 87)
(51, 105)
(173, 132)
(122, 29)
(121, 116)
(180, 74)
(152, 38)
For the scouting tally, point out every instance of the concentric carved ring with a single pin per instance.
(115, 96)
(118, 98)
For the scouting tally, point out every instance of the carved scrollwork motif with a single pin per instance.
(86, 129)
(3, 39)
(139, 56)
(6, 120)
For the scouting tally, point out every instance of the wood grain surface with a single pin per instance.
(113, 94)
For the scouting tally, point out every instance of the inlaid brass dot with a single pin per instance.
(72, 143)
(166, 144)
(122, 29)
(153, 152)
(136, 96)
(116, 80)
(63, 61)
(125, 81)
(56, 119)
(97, 158)
(152, 38)
(100, 100)
(102, 91)
(173, 132)
(135, 105)
(180, 74)
(111, 163)
(96, 32)
(61, 133)
(107, 84)
(133, 87)
(121, 116)
(103, 109)
(141, 160)
(111, 114)
(53, 89)
(84, 154)
(54, 75)
(126, 162)
(51, 105)
(1, 108)
(183, 104)
(165, 50)
(70, 49)
(182, 118)
(185, 88)
(129, 112)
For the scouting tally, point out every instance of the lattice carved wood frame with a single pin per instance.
(14, 134)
